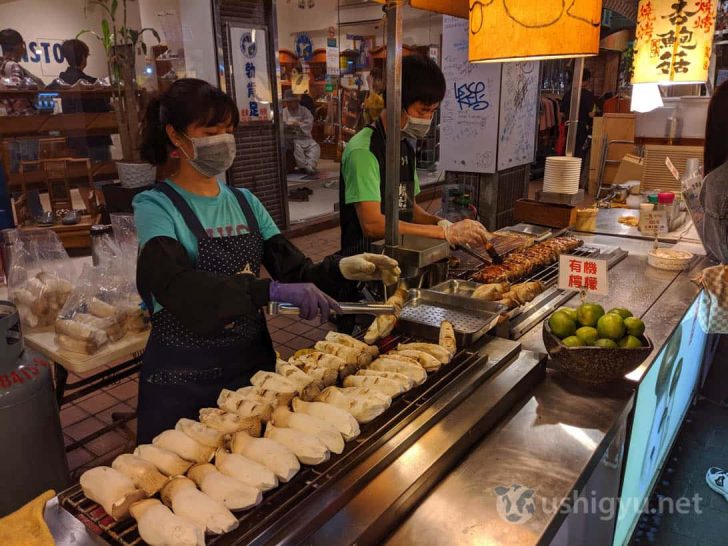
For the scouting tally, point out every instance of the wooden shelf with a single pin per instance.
(82, 123)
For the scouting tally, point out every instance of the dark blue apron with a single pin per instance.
(183, 372)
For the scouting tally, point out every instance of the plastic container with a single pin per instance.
(669, 260)
(586, 220)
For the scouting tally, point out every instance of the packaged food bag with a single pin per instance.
(40, 276)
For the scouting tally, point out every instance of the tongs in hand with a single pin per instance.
(278, 308)
(495, 258)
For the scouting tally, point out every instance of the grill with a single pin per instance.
(257, 524)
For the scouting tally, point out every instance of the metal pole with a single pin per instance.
(393, 119)
(573, 123)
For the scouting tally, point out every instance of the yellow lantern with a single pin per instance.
(674, 41)
(510, 30)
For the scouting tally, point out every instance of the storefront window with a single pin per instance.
(332, 56)
(59, 128)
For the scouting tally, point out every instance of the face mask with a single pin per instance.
(416, 127)
(212, 155)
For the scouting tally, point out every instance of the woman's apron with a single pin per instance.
(183, 372)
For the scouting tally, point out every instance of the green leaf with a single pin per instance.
(106, 33)
(103, 6)
(87, 31)
(144, 47)
(114, 5)
(133, 36)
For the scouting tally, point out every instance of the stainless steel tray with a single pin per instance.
(456, 287)
(425, 310)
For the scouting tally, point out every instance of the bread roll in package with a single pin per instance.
(40, 276)
(103, 308)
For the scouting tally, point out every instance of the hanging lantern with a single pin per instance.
(674, 41)
(512, 30)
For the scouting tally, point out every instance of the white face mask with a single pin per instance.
(211, 155)
(416, 127)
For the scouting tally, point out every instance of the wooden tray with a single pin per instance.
(44, 341)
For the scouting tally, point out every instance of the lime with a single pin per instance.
(630, 342)
(572, 341)
(621, 311)
(611, 326)
(589, 313)
(606, 344)
(635, 327)
(569, 311)
(587, 334)
(561, 325)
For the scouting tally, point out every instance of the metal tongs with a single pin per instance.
(495, 258)
(278, 308)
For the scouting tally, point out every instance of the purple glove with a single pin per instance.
(309, 299)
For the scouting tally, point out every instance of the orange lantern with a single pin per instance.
(674, 41)
(511, 30)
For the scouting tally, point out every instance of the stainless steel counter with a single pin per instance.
(608, 224)
(549, 445)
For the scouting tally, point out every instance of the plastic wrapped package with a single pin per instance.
(39, 277)
(103, 308)
(125, 235)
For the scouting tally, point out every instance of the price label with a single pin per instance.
(671, 167)
(332, 59)
(579, 273)
(654, 222)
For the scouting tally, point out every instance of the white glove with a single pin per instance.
(370, 267)
(466, 232)
(444, 223)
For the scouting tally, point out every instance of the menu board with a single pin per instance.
(469, 111)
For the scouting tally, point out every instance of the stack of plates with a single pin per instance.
(562, 175)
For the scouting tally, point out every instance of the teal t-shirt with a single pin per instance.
(156, 216)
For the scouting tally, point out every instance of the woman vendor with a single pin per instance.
(202, 246)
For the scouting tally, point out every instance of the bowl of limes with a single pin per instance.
(594, 346)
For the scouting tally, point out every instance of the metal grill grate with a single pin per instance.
(433, 316)
(309, 480)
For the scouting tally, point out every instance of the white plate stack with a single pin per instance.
(562, 175)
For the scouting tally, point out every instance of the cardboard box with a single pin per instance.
(630, 168)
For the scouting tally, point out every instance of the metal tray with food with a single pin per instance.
(425, 310)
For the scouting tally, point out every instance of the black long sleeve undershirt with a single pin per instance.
(205, 302)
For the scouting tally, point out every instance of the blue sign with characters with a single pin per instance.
(304, 46)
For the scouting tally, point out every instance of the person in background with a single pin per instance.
(714, 198)
(13, 50)
(297, 123)
(374, 103)
(95, 147)
(362, 176)
(714, 194)
(202, 245)
(586, 113)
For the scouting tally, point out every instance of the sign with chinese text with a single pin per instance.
(653, 222)
(249, 52)
(674, 41)
(332, 57)
(578, 273)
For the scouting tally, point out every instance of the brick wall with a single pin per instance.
(257, 165)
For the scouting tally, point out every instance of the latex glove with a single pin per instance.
(466, 232)
(370, 267)
(309, 299)
(444, 223)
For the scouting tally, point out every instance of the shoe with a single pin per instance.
(717, 480)
(308, 191)
(71, 218)
(45, 219)
(310, 171)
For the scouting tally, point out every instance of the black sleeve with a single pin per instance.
(203, 302)
(286, 263)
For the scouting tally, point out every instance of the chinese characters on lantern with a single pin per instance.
(579, 273)
(674, 40)
(250, 74)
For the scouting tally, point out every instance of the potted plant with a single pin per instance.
(121, 45)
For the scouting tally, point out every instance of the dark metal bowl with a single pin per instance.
(593, 364)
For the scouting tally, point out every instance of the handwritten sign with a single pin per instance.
(469, 111)
(671, 167)
(249, 52)
(653, 222)
(332, 57)
(578, 273)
